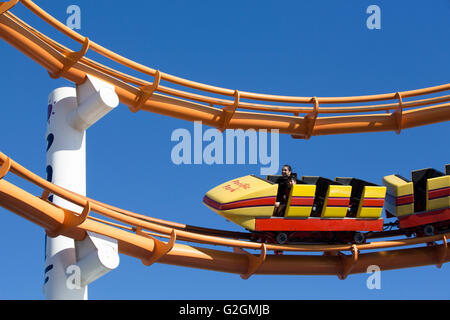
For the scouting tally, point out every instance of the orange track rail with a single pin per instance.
(138, 235)
(139, 94)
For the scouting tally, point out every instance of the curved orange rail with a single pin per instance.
(139, 94)
(139, 236)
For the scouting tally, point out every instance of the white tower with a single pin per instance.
(71, 265)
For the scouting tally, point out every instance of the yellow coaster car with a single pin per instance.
(317, 208)
(421, 204)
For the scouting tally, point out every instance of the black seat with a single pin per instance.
(401, 177)
(419, 179)
(322, 185)
(447, 169)
(279, 178)
(357, 190)
(273, 178)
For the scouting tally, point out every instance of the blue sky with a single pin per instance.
(313, 48)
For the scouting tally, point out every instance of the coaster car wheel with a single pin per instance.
(281, 237)
(428, 230)
(359, 238)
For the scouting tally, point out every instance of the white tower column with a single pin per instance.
(70, 265)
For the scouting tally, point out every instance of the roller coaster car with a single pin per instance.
(318, 209)
(421, 204)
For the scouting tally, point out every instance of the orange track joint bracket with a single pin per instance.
(442, 252)
(309, 121)
(348, 262)
(398, 114)
(71, 220)
(6, 6)
(145, 92)
(5, 168)
(253, 262)
(71, 58)
(45, 194)
(160, 248)
(229, 111)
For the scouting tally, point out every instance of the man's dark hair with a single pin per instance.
(288, 166)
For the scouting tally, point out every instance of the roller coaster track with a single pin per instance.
(140, 236)
(139, 94)
(137, 236)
